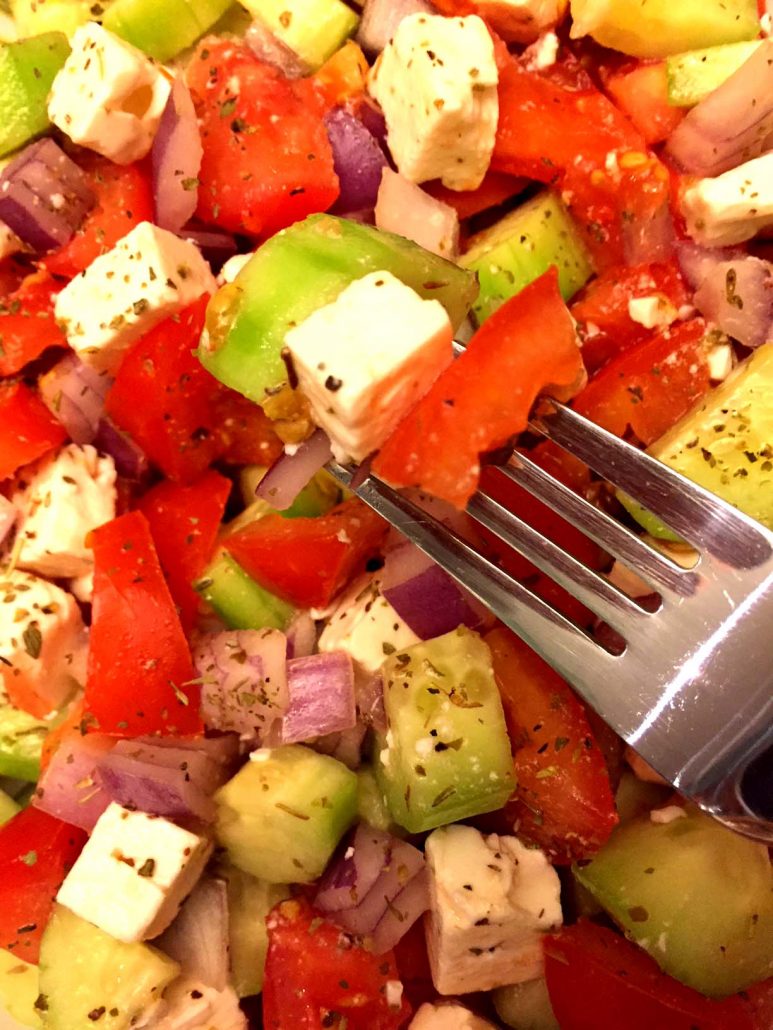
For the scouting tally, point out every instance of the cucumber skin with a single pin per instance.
(27, 69)
(238, 599)
(695, 74)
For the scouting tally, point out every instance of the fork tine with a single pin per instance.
(592, 589)
(695, 514)
(613, 536)
(555, 637)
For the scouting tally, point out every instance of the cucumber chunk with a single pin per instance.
(33, 17)
(525, 1006)
(85, 971)
(693, 894)
(8, 807)
(692, 76)
(281, 817)
(521, 246)
(239, 601)
(19, 989)
(162, 28)
(21, 743)
(27, 69)
(314, 29)
(446, 755)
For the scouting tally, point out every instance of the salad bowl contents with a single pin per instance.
(262, 763)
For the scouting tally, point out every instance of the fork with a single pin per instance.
(690, 687)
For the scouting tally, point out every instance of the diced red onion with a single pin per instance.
(198, 937)
(130, 460)
(69, 788)
(370, 702)
(358, 160)
(75, 394)
(321, 691)
(345, 747)
(176, 160)
(403, 207)
(424, 596)
(372, 117)
(695, 262)
(216, 247)
(44, 196)
(735, 293)
(222, 748)
(732, 124)
(372, 873)
(267, 48)
(380, 19)
(8, 516)
(244, 679)
(290, 473)
(651, 239)
(301, 636)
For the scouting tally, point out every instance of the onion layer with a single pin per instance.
(176, 160)
(321, 690)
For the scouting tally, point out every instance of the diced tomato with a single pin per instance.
(760, 1000)
(267, 158)
(596, 978)
(27, 324)
(483, 399)
(649, 387)
(12, 274)
(140, 671)
(184, 521)
(246, 431)
(495, 189)
(641, 92)
(36, 853)
(318, 976)
(563, 802)
(602, 310)
(343, 76)
(513, 21)
(73, 721)
(28, 430)
(308, 560)
(124, 199)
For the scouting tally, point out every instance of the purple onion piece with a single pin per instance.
(358, 160)
(69, 788)
(201, 769)
(424, 596)
(301, 636)
(198, 937)
(216, 247)
(8, 516)
(244, 674)
(354, 869)
(345, 747)
(44, 196)
(649, 240)
(732, 124)
(403, 207)
(737, 296)
(145, 786)
(321, 692)
(380, 19)
(370, 702)
(176, 160)
(402, 912)
(695, 261)
(290, 473)
(75, 393)
(267, 48)
(222, 748)
(130, 460)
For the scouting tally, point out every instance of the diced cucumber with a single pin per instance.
(525, 1006)
(281, 817)
(696, 896)
(725, 443)
(371, 803)
(239, 601)
(249, 902)
(162, 28)
(299, 270)
(314, 29)
(635, 797)
(692, 76)
(88, 978)
(21, 743)
(657, 28)
(8, 807)
(27, 69)
(317, 498)
(19, 989)
(521, 246)
(446, 755)
(33, 17)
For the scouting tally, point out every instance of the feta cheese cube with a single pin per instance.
(61, 500)
(437, 84)
(43, 642)
(108, 96)
(366, 359)
(134, 873)
(732, 207)
(491, 899)
(148, 275)
(450, 1016)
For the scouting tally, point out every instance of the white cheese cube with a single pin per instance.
(491, 900)
(448, 1016)
(366, 626)
(734, 206)
(366, 359)
(148, 275)
(61, 500)
(43, 642)
(436, 82)
(108, 96)
(134, 873)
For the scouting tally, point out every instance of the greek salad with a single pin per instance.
(262, 763)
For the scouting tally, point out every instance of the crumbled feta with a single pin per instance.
(64, 497)
(43, 642)
(108, 96)
(134, 873)
(543, 53)
(191, 1005)
(148, 275)
(653, 311)
(436, 82)
(491, 899)
(668, 814)
(721, 361)
(232, 267)
(447, 1016)
(734, 206)
(366, 359)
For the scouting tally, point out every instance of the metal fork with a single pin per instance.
(692, 689)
